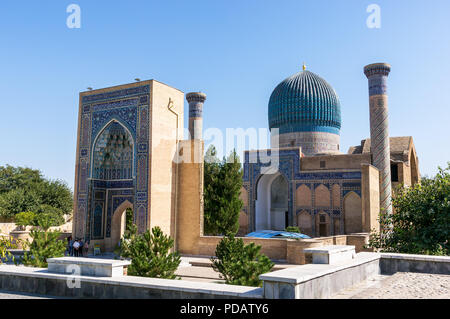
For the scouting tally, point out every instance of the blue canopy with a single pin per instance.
(276, 234)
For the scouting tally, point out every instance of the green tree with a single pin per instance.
(26, 190)
(18, 178)
(210, 196)
(421, 221)
(56, 194)
(150, 254)
(25, 219)
(240, 264)
(222, 203)
(17, 201)
(45, 244)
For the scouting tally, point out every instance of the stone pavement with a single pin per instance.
(400, 286)
(21, 295)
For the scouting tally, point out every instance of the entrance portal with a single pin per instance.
(271, 206)
(119, 223)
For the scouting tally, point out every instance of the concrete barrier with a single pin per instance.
(331, 254)
(88, 266)
(313, 281)
(40, 281)
(324, 280)
(391, 263)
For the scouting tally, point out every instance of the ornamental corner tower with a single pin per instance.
(195, 100)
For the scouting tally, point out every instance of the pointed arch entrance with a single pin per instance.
(272, 202)
(119, 222)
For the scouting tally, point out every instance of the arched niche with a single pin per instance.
(304, 222)
(336, 195)
(352, 213)
(322, 196)
(303, 196)
(244, 197)
(243, 224)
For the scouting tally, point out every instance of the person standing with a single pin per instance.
(76, 246)
(80, 249)
(85, 248)
(69, 246)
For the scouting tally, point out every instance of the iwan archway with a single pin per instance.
(112, 183)
(272, 202)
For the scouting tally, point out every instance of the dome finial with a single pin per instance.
(304, 66)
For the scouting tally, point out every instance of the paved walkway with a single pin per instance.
(20, 295)
(400, 286)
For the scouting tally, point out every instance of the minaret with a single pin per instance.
(379, 130)
(189, 219)
(195, 100)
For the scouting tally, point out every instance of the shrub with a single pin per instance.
(150, 254)
(240, 264)
(293, 229)
(45, 244)
(25, 219)
(6, 244)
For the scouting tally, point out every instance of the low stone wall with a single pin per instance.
(19, 236)
(392, 263)
(323, 281)
(300, 282)
(6, 228)
(314, 281)
(39, 281)
(359, 241)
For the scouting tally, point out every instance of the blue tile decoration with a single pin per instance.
(289, 166)
(113, 168)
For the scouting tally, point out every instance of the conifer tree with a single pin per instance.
(210, 195)
(150, 253)
(45, 244)
(240, 264)
(222, 187)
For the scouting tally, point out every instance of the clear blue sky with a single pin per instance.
(234, 51)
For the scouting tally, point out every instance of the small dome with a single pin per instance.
(304, 102)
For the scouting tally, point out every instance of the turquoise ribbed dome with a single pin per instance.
(304, 102)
